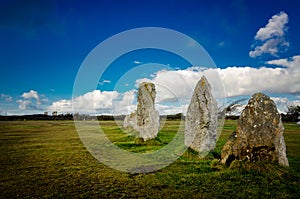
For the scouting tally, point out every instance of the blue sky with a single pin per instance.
(43, 44)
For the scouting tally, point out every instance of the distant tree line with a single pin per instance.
(292, 115)
(78, 116)
(36, 117)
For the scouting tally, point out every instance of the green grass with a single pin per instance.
(46, 159)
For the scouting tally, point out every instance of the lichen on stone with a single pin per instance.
(259, 134)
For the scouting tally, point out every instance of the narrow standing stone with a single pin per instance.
(145, 119)
(201, 119)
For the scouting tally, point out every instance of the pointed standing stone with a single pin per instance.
(145, 119)
(259, 134)
(201, 119)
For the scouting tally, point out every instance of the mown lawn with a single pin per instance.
(46, 159)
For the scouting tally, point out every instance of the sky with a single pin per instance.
(254, 45)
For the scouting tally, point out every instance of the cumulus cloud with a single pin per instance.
(98, 102)
(248, 80)
(175, 87)
(125, 104)
(271, 38)
(31, 95)
(31, 100)
(91, 102)
(275, 27)
(178, 85)
(271, 47)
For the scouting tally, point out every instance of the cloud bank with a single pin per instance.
(247, 80)
(175, 87)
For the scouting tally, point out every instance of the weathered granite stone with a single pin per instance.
(201, 119)
(145, 119)
(130, 121)
(259, 134)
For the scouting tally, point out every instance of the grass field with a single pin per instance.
(46, 159)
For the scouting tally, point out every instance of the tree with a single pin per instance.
(293, 109)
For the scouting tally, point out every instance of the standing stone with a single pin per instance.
(201, 119)
(259, 134)
(145, 119)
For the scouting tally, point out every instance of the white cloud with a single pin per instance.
(105, 81)
(91, 102)
(271, 38)
(128, 97)
(7, 98)
(137, 62)
(126, 104)
(275, 27)
(31, 94)
(23, 104)
(97, 102)
(294, 62)
(281, 103)
(296, 102)
(271, 47)
(174, 88)
(178, 85)
(171, 109)
(248, 80)
(27, 102)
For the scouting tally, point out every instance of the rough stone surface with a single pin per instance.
(130, 121)
(201, 119)
(259, 134)
(145, 119)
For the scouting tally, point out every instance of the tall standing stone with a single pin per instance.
(201, 119)
(259, 134)
(145, 119)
